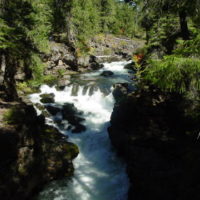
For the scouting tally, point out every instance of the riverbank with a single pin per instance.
(157, 136)
(31, 152)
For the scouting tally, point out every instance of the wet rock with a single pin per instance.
(120, 91)
(47, 98)
(69, 109)
(79, 128)
(107, 73)
(95, 66)
(72, 115)
(52, 109)
(42, 109)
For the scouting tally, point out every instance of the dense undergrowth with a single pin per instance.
(170, 61)
(171, 57)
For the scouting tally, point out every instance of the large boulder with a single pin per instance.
(64, 81)
(83, 61)
(73, 116)
(107, 73)
(52, 109)
(31, 154)
(47, 98)
(151, 132)
(120, 91)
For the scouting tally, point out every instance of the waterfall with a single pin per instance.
(99, 172)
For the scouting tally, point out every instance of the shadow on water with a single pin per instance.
(98, 167)
(99, 173)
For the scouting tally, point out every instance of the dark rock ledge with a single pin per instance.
(158, 141)
(31, 153)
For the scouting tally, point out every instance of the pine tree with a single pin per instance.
(108, 14)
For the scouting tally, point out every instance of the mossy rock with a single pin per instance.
(47, 98)
(71, 150)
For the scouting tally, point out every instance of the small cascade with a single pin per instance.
(99, 173)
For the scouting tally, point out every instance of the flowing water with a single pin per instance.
(99, 173)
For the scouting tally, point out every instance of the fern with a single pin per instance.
(174, 73)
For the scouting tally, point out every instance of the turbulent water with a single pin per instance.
(99, 173)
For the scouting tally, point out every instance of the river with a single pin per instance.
(99, 172)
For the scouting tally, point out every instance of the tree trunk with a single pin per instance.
(9, 80)
(184, 27)
(147, 35)
(2, 7)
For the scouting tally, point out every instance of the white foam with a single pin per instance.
(99, 173)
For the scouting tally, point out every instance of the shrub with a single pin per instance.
(174, 73)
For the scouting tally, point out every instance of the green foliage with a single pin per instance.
(85, 18)
(5, 35)
(108, 14)
(61, 72)
(179, 70)
(89, 18)
(15, 22)
(25, 88)
(125, 23)
(42, 18)
(174, 73)
(50, 79)
(190, 47)
(37, 67)
(163, 33)
(27, 25)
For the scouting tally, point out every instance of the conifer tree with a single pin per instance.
(108, 14)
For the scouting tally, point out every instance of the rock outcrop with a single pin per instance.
(73, 116)
(31, 153)
(158, 140)
(47, 98)
(62, 61)
(109, 48)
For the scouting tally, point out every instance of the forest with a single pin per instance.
(27, 27)
(154, 122)
(171, 27)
